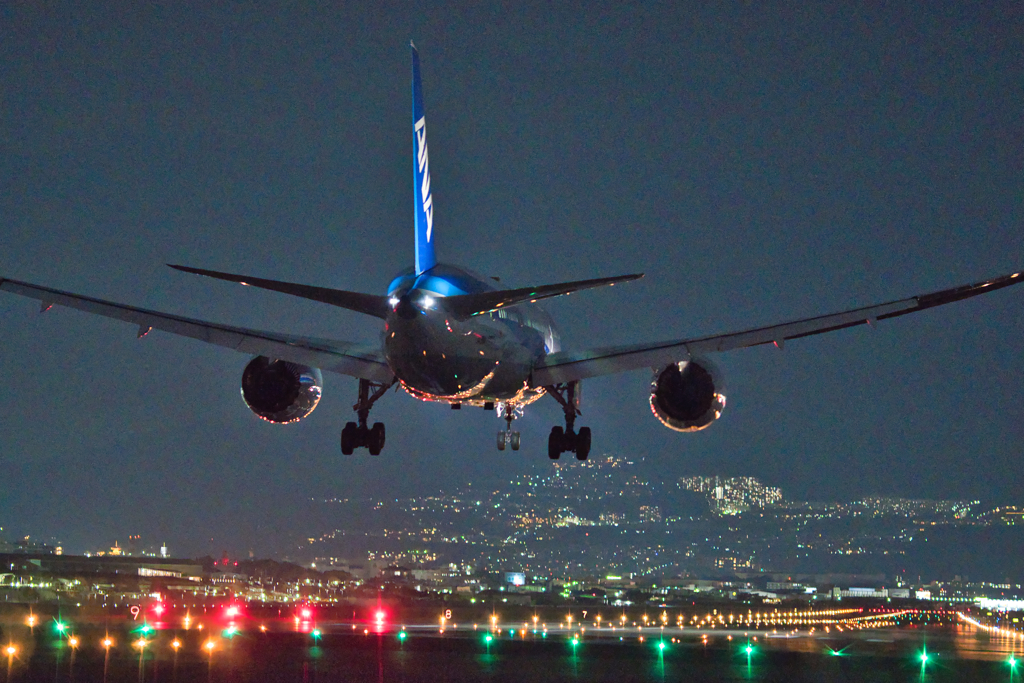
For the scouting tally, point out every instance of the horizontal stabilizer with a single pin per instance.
(369, 304)
(485, 302)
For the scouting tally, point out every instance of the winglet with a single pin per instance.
(423, 200)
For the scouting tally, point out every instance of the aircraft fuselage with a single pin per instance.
(438, 356)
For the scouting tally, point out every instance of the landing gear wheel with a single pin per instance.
(583, 443)
(513, 440)
(375, 440)
(355, 435)
(348, 439)
(501, 441)
(555, 443)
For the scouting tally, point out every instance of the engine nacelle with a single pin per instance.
(689, 395)
(279, 391)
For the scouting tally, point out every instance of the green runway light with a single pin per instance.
(231, 631)
(1012, 661)
(145, 629)
(60, 626)
(488, 638)
(316, 634)
(662, 646)
(402, 635)
(749, 649)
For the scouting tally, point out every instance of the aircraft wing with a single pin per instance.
(334, 356)
(570, 366)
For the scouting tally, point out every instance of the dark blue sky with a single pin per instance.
(758, 164)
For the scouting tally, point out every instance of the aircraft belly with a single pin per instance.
(440, 360)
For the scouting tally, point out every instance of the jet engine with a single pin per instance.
(689, 395)
(279, 391)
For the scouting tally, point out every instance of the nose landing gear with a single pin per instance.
(567, 440)
(354, 435)
(508, 437)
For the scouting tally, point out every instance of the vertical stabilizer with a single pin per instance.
(423, 200)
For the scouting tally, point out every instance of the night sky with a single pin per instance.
(758, 164)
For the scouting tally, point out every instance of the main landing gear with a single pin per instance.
(509, 437)
(355, 436)
(566, 440)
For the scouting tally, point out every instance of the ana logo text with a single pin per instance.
(424, 166)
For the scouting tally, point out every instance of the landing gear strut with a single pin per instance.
(508, 437)
(567, 440)
(355, 436)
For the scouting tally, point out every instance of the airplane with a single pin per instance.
(452, 336)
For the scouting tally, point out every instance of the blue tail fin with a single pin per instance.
(423, 201)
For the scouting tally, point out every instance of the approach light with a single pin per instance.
(209, 646)
(141, 643)
(73, 641)
(107, 643)
(11, 650)
(175, 644)
(31, 621)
